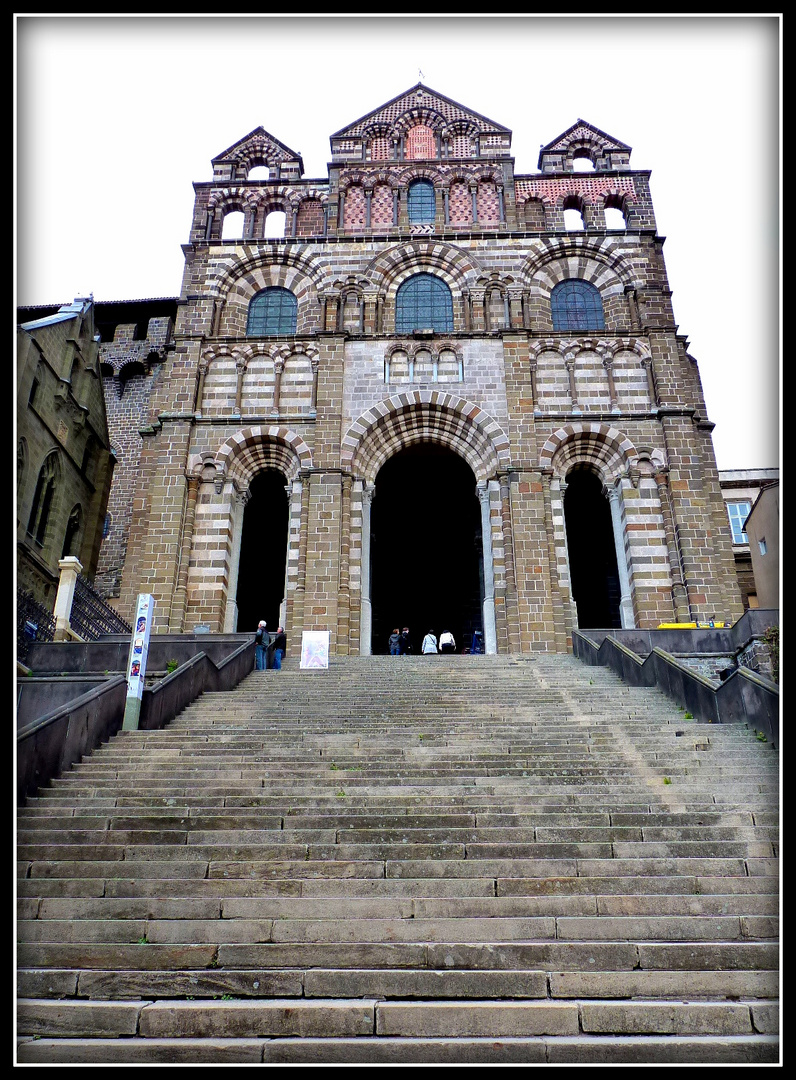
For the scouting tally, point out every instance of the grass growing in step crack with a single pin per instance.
(666, 780)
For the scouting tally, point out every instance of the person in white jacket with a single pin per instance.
(447, 643)
(429, 643)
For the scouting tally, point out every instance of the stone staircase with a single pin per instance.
(406, 860)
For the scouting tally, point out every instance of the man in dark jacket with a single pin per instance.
(280, 646)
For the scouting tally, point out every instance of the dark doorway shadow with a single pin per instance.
(426, 555)
(263, 551)
(592, 554)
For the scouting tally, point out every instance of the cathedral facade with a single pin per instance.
(447, 396)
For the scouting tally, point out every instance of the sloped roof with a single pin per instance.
(419, 94)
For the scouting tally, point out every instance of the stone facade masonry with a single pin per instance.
(522, 396)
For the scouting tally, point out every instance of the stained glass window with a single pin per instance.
(576, 305)
(272, 311)
(423, 302)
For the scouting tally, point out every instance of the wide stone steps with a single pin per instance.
(457, 861)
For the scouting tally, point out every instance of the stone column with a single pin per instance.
(365, 611)
(512, 612)
(231, 610)
(209, 225)
(368, 199)
(490, 631)
(315, 363)
(474, 198)
(646, 363)
(341, 212)
(446, 205)
(293, 221)
(200, 387)
(569, 361)
(300, 496)
(180, 598)
(561, 595)
(70, 568)
(279, 365)
(240, 367)
(502, 203)
(682, 606)
(608, 364)
(626, 603)
(344, 588)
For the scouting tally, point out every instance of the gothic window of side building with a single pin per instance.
(42, 499)
(272, 311)
(577, 305)
(421, 202)
(423, 302)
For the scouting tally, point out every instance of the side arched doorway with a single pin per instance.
(263, 552)
(592, 551)
(426, 547)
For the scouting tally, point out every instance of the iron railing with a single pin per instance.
(34, 623)
(91, 616)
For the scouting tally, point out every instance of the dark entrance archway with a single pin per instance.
(426, 554)
(592, 554)
(263, 551)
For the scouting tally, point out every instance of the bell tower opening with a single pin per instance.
(263, 552)
(426, 550)
(592, 554)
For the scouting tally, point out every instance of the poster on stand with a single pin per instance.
(315, 649)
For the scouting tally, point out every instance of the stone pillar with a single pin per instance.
(502, 203)
(315, 363)
(608, 364)
(474, 198)
(240, 368)
(279, 365)
(490, 631)
(680, 600)
(70, 568)
(209, 225)
(446, 205)
(368, 199)
(344, 587)
(293, 221)
(180, 598)
(561, 598)
(200, 387)
(569, 361)
(626, 603)
(646, 363)
(512, 612)
(231, 610)
(365, 611)
(300, 496)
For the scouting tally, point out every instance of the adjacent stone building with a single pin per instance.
(64, 459)
(425, 391)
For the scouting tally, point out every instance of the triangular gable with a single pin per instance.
(582, 130)
(258, 143)
(419, 95)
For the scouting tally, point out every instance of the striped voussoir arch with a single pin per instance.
(601, 445)
(425, 416)
(253, 449)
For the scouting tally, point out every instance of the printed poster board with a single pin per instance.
(315, 649)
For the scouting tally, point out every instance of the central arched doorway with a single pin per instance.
(425, 547)
(592, 551)
(263, 552)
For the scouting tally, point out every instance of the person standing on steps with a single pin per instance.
(395, 642)
(406, 644)
(447, 644)
(262, 639)
(280, 648)
(429, 644)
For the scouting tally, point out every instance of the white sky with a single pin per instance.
(117, 116)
